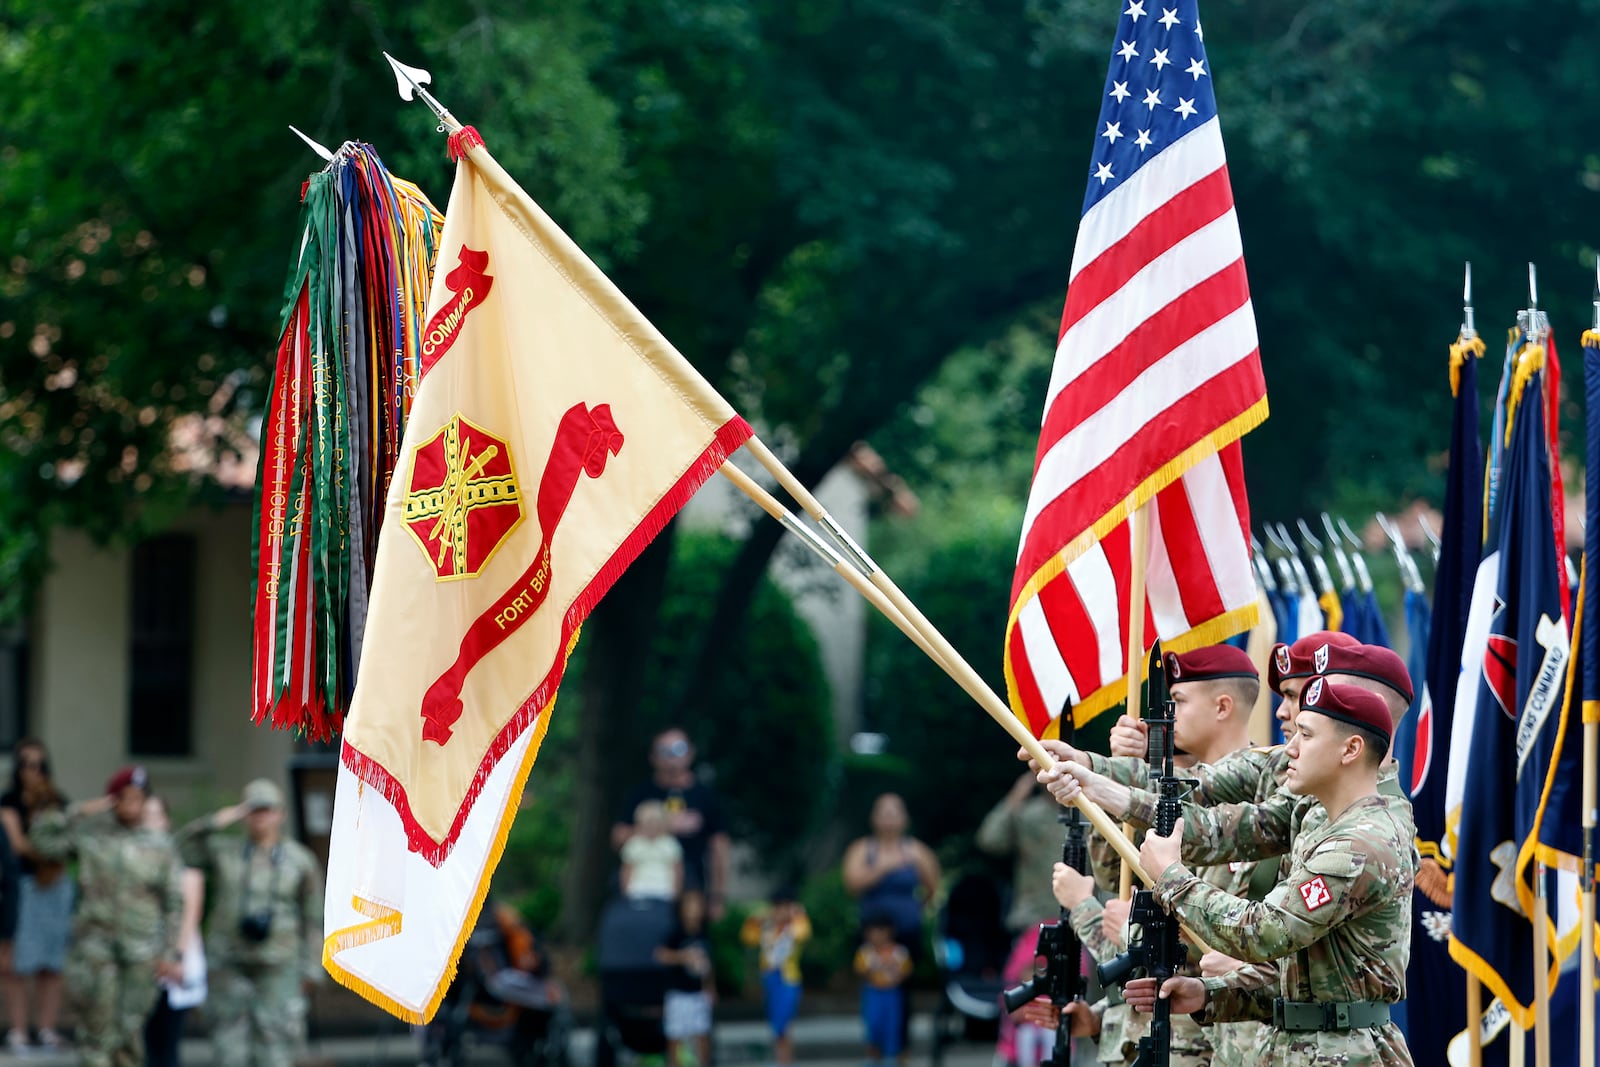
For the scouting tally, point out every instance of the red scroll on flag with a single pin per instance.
(1157, 376)
(553, 434)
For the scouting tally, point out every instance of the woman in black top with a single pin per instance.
(44, 901)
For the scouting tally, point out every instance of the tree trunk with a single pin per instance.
(615, 639)
(743, 576)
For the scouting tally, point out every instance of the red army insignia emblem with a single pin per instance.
(1315, 893)
(1313, 694)
(462, 500)
(1319, 659)
(1281, 656)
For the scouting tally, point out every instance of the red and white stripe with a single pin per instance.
(1157, 369)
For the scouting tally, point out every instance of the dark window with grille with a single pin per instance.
(161, 648)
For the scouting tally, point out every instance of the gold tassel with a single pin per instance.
(1458, 355)
(1529, 360)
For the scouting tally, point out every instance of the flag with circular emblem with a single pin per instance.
(553, 434)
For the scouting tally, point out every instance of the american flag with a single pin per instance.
(1157, 376)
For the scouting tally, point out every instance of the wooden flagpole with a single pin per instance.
(1475, 1021)
(1141, 563)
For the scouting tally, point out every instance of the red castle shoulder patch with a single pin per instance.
(1315, 893)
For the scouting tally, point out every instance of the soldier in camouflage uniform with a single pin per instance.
(130, 906)
(1339, 925)
(264, 939)
(1268, 826)
(1213, 690)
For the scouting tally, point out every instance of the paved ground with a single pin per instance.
(820, 1041)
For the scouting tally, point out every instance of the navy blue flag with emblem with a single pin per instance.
(1518, 715)
(1435, 985)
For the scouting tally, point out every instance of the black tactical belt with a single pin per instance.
(1328, 1014)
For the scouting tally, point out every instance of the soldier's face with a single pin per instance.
(129, 808)
(1194, 713)
(1289, 706)
(263, 822)
(1316, 752)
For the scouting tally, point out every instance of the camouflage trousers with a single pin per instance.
(257, 1015)
(1238, 1044)
(1377, 1046)
(1121, 1028)
(111, 1001)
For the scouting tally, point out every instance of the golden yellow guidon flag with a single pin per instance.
(553, 434)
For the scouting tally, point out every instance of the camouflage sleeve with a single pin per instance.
(1085, 919)
(1322, 890)
(1228, 1005)
(997, 834)
(1104, 863)
(1123, 769)
(311, 899)
(172, 902)
(1239, 831)
(1253, 976)
(54, 836)
(1233, 779)
(194, 842)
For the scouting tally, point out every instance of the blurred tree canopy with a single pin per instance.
(818, 201)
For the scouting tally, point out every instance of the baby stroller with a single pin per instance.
(633, 983)
(502, 995)
(970, 948)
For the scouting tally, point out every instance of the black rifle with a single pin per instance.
(1157, 951)
(1058, 970)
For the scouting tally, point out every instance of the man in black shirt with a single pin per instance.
(694, 813)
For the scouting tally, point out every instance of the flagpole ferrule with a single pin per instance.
(805, 533)
(847, 544)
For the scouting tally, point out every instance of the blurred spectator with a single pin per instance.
(884, 870)
(1024, 825)
(265, 930)
(164, 1029)
(652, 859)
(884, 964)
(694, 816)
(779, 930)
(686, 1007)
(44, 902)
(125, 930)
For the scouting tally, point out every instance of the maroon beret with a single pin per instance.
(134, 776)
(1211, 662)
(1300, 660)
(1348, 703)
(1370, 661)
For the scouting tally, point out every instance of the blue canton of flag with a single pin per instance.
(1157, 90)
(1517, 718)
(1435, 986)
